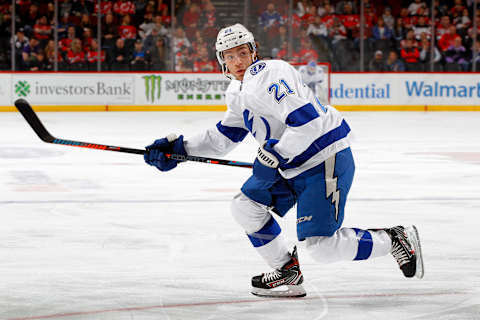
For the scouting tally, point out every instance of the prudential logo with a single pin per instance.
(152, 87)
(22, 88)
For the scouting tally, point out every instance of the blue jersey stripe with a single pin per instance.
(365, 244)
(302, 115)
(233, 133)
(270, 231)
(318, 145)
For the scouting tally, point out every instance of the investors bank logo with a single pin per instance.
(152, 87)
(22, 88)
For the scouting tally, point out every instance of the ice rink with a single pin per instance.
(87, 234)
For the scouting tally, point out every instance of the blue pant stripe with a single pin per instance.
(365, 244)
(270, 231)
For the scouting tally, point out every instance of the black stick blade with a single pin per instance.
(27, 112)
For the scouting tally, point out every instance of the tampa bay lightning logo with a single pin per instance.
(249, 124)
(257, 68)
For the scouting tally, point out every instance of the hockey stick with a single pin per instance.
(27, 112)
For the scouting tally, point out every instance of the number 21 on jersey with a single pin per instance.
(278, 90)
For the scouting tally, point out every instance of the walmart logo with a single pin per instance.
(152, 87)
(22, 88)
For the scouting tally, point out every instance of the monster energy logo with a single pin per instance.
(152, 87)
(22, 88)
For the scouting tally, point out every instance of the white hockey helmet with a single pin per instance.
(231, 37)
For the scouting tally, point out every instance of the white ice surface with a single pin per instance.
(87, 234)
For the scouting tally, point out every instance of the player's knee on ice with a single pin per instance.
(250, 215)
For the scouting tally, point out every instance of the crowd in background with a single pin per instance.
(138, 35)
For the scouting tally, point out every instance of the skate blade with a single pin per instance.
(285, 291)
(412, 234)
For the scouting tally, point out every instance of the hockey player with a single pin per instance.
(304, 158)
(314, 77)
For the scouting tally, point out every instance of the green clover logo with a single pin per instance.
(22, 88)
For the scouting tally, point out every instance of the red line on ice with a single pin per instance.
(259, 300)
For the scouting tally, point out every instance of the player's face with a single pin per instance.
(238, 59)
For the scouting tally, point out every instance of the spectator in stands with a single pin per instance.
(377, 64)
(463, 22)
(42, 30)
(180, 40)
(457, 54)
(182, 66)
(411, 56)
(388, 18)
(147, 26)
(160, 25)
(20, 41)
(470, 32)
(443, 26)
(414, 6)
(93, 56)
(151, 39)
(203, 63)
(270, 18)
(458, 8)
(87, 38)
(381, 32)
(337, 32)
(399, 32)
(340, 7)
(30, 52)
(306, 53)
(393, 63)
(63, 26)
(158, 56)
(84, 24)
(30, 18)
(425, 53)
(127, 30)
(448, 39)
(302, 7)
(208, 21)
(120, 56)
(283, 52)
(198, 42)
(105, 7)
(309, 17)
(191, 19)
(76, 56)
(186, 55)
(39, 63)
(81, 7)
(350, 21)
(124, 7)
(109, 31)
(166, 17)
(422, 28)
(317, 28)
(139, 57)
(66, 42)
(325, 10)
(277, 42)
(410, 36)
(65, 8)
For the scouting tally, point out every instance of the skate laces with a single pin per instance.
(272, 275)
(400, 254)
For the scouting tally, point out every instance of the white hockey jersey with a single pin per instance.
(272, 102)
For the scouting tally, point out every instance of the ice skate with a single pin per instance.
(283, 282)
(406, 250)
